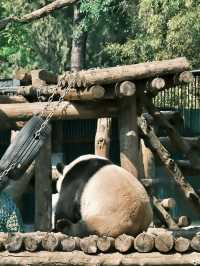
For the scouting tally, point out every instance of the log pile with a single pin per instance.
(155, 239)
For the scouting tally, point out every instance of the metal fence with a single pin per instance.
(186, 99)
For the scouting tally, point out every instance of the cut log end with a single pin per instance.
(164, 242)
(144, 242)
(123, 243)
(126, 88)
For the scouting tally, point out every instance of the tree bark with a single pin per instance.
(79, 38)
(170, 165)
(102, 138)
(65, 110)
(43, 188)
(127, 72)
(37, 14)
(128, 135)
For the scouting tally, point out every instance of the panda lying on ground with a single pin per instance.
(99, 197)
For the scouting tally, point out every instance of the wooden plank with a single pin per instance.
(43, 188)
(102, 137)
(65, 110)
(128, 135)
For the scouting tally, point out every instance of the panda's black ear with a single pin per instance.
(60, 167)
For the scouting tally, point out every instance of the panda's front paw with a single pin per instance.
(62, 225)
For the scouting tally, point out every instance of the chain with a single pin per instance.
(61, 86)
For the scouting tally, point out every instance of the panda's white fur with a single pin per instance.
(113, 201)
(73, 163)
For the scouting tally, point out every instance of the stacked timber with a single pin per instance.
(155, 239)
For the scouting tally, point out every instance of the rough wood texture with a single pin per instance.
(39, 13)
(170, 165)
(14, 242)
(124, 243)
(193, 142)
(105, 243)
(164, 242)
(12, 99)
(182, 244)
(127, 72)
(184, 77)
(128, 135)
(45, 258)
(126, 88)
(23, 75)
(175, 137)
(43, 188)
(163, 214)
(144, 242)
(169, 203)
(89, 244)
(195, 243)
(183, 221)
(16, 188)
(68, 244)
(102, 137)
(42, 77)
(51, 242)
(66, 110)
(155, 85)
(32, 243)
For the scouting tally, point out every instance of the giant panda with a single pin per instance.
(96, 196)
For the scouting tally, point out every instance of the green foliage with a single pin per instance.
(165, 29)
(119, 32)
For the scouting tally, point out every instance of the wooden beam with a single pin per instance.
(42, 77)
(12, 99)
(128, 136)
(102, 138)
(170, 165)
(127, 72)
(36, 14)
(46, 258)
(43, 188)
(65, 110)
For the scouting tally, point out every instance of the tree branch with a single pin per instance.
(37, 14)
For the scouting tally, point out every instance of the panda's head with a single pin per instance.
(64, 169)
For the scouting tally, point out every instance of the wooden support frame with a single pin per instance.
(43, 188)
(128, 135)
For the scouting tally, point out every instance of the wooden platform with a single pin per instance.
(45, 258)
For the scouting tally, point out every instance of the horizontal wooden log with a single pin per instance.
(23, 76)
(163, 214)
(89, 244)
(65, 110)
(164, 242)
(183, 221)
(193, 142)
(42, 77)
(124, 243)
(127, 72)
(170, 165)
(168, 203)
(126, 88)
(155, 85)
(181, 244)
(144, 242)
(115, 259)
(12, 99)
(105, 243)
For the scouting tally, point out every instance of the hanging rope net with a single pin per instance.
(10, 218)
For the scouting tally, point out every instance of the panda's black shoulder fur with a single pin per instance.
(72, 187)
(85, 169)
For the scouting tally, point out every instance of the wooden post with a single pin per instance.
(128, 135)
(102, 138)
(43, 179)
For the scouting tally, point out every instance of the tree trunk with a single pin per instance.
(78, 42)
